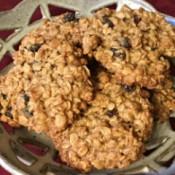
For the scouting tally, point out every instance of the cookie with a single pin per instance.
(55, 84)
(118, 119)
(6, 111)
(56, 32)
(163, 99)
(133, 108)
(129, 67)
(98, 140)
(133, 45)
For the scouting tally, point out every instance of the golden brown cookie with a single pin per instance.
(111, 133)
(163, 99)
(48, 88)
(98, 140)
(133, 45)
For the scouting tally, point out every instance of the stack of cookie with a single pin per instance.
(95, 85)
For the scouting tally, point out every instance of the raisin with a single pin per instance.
(26, 98)
(4, 96)
(124, 42)
(128, 88)
(146, 94)
(1, 107)
(112, 112)
(28, 113)
(78, 45)
(22, 64)
(8, 112)
(69, 17)
(137, 19)
(106, 20)
(117, 52)
(153, 48)
(125, 19)
(34, 48)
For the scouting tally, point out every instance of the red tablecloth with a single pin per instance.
(164, 6)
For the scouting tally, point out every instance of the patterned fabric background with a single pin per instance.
(164, 6)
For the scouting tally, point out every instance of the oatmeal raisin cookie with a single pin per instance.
(163, 99)
(98, 140)
(129, 103)
(50, 88)
(111, 133)
(133, 45)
